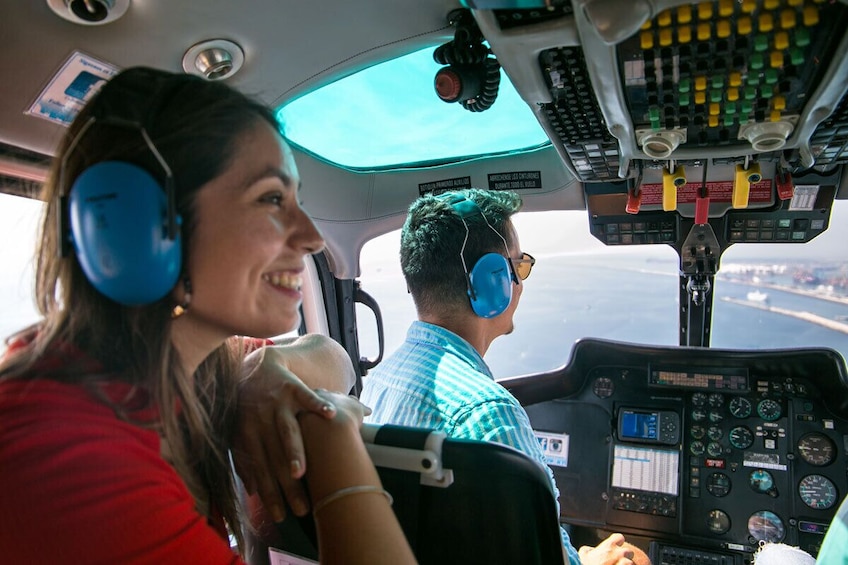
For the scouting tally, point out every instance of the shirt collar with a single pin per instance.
(437, 336)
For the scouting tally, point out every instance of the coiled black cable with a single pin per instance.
(468, 54)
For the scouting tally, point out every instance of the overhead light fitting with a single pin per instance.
(216, 59)
(89, 12)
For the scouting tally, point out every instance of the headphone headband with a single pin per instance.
(489, 282)
(134, 95)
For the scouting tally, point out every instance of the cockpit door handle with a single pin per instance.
(362, 297)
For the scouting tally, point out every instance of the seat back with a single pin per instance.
(458, 501)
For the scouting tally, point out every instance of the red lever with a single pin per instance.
(634, 200)
(785, 186)
(702, 206)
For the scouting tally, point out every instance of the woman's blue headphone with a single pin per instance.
(491, 278)
(121, 222)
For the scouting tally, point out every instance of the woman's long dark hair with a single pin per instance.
(195, 124)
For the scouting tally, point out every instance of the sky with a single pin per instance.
(390, 114)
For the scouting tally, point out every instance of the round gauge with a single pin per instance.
(714, 449)
(697, 432)
(699, 415)
(699, 399)
(740, 407)
(718, 484)
(716, 416)
(603, 387)
(718, 521)
(768, 410)
(766, 526)
(715, 400)
(697, 448)
(816, 449)
(817, 492)
(761, 480)
(714, 433)
(741, 437)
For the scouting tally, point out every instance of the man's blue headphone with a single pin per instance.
(123, 224)
(491, 278)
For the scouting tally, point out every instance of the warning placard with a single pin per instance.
(444, 185)
(721, 191)
(515, 180)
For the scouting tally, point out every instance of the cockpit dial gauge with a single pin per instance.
(766, 526)
(714, 449)
(740, 407)
(761, 481)
(699, 399)
(817, 492)
(718, 484)
(716, 416)
(741, 437)
(699, 415)
(697, 432)
(816, 449)
(715, 433)
(718, 521)
(768, 410)
(715, 400)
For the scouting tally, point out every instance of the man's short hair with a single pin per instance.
(432, 238)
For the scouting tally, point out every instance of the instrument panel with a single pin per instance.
(718, 449)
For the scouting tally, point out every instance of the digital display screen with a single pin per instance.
(812, 527)
(714, 379)
(646, 469)
(639, 425)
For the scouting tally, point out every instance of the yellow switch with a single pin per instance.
(811, 16)
(672, 181)
(744, 178)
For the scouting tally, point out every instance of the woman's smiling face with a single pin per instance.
(246, 255)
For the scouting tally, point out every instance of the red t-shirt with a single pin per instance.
(80, 485)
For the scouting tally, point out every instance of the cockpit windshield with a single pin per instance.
(772, 296)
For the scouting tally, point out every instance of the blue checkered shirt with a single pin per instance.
(438, 380)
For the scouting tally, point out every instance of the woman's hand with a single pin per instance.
(349, 410)
(268, 450)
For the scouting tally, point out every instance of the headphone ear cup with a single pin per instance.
(492, 285)
(118, 220)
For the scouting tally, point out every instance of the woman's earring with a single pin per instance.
(182, 308)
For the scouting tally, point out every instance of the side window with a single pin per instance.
(18, 231)
(578, 288)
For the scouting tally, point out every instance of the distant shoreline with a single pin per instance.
(806, 316)
(794, 290)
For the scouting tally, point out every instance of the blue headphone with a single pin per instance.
(123, 224)
(491, 278)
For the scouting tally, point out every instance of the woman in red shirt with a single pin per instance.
(179, 227)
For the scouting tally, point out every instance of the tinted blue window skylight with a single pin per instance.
(390, 115)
